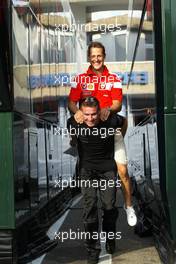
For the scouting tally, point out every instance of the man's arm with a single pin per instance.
(72, 106)
(78, 115)
(115, 107)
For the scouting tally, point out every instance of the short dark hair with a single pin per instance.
(95, 44)
(89, 101)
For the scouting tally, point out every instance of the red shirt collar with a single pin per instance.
(104, 73)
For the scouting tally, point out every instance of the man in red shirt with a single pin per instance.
(97, 82)
(107, 88)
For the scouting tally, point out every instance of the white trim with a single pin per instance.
(74, 84)
(117, 85)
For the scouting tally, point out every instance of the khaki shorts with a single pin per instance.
(120, 155)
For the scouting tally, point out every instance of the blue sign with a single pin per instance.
(64, 79)
(136, 77)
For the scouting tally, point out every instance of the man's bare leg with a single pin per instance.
(126, 183)
(126, 187)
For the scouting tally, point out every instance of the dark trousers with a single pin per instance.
(107, 193)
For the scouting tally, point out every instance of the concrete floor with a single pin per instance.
(130, 248)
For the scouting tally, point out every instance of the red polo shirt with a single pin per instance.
(105, 88)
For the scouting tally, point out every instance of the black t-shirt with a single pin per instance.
(96, 144)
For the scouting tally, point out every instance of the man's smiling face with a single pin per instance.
(96, 59)
(91, 115)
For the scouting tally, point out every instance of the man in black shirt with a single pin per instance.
(95, 141)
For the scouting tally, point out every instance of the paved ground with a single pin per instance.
(130, 248)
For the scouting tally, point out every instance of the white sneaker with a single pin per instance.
(131, 215)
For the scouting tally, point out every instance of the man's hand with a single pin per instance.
(79, 117)
(104, 114)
